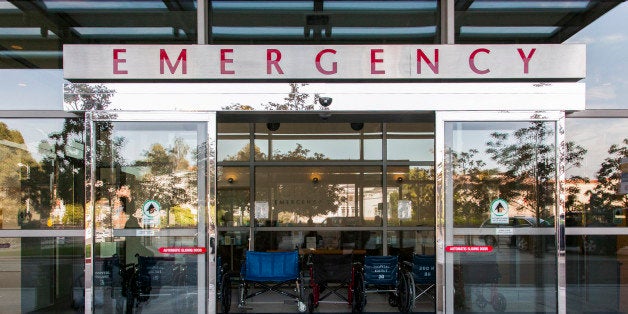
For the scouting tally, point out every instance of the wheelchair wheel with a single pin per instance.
(359, 295)
(393, 299)
(310, 303)
(499, 303)
(405, 295)
(225, 293)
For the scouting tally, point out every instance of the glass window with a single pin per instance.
(596, 265)
(232, 246)
(42, 169)
(410, 141)
(321, 241)
(513, 162)
(607, 69)
(42, 274)
(597, 172)
(319, 141)
(509, 21)
(501, 178)
(404, 243)
(318, 196)
(31, 89)
(146, 174)
(411, 196)
(34, 32)
(234, 142)
(163, 282)
(233, 196)
(315, 22)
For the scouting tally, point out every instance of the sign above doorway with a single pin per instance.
(564, 62)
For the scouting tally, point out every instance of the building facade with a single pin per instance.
(147, 146)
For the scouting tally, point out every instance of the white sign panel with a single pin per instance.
(324, 62)
(499, 211)
(261, 210)
(404, 209)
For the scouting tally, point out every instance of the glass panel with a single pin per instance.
(42, 275)
(321, 241)
(40, 28)
(42, 173)
(147, 181)
(31, 89)
(510, 21)
(410, 141)
(234, 142)
(411, 196)
(231, 248)
(509, 279)
(404, 243)
(596, 173)
(233, 194)
(321, 196)
(144, 163)
(512, 161)
(319, 141)
(502, 176)
(596, 268)
(131, 274)
(385, 22)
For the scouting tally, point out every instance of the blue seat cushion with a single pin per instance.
(271, 266)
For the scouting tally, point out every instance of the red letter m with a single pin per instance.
(163, 58)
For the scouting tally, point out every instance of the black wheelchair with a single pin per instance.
(329, 275)
(272, 272)
(383, 274)
(223, 278)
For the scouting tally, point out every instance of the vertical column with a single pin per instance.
(443, 298)
(209, 172)
(561, 154)
(447, 25)
(90, 159)
(202, 22)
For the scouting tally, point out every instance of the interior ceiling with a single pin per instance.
(32, 32)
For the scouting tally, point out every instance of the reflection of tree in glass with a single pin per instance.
(18, 172)
(170, 180)
(418, 188)
(530, 167)
(295, 101)
(67, 165)
(474, 188)
(604, 195)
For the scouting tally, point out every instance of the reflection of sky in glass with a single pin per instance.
(34, 131)
(138, 141)
(518, 5)
(596, 136)
(607, 65)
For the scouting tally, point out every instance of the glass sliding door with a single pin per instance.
(499, 202)
(149, 204)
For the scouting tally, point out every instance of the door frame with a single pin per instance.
(444, 218)
(206, 228)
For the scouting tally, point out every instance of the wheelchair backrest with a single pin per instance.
(271, 266)
(424, 269)
(380, 270)
(332, 267)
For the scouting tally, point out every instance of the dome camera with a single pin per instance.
(325, 101)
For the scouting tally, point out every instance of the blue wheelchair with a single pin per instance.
(423, 276)
(272, 272)
(382, 274)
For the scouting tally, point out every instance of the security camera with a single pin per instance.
(325, 101)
